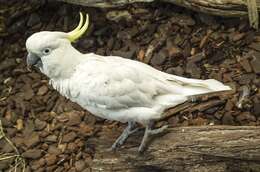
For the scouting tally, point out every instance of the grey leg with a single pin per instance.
(149, 132)
(130, 129)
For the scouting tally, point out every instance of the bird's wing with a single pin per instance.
(114, 83)
(187, 86)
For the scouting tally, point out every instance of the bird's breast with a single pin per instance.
(64, 87)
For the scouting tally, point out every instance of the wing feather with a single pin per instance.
(116, 83)
(114, 86)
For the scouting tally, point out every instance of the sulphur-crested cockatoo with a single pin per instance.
(111, 87)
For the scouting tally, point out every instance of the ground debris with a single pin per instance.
(52, 133)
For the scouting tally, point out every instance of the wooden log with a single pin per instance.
(200, 102)
(228, 8)
(204, 148)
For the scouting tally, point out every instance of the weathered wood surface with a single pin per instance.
(230, 8)
(200, 102)
(203, 149)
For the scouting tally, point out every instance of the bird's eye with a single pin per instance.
(46, 51)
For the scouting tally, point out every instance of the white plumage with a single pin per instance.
(125, 90)
(111, 87)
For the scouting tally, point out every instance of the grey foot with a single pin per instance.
(130, 129)
(149, 132)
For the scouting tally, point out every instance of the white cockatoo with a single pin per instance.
(111, 87)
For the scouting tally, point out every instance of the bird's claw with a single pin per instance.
(122, 138)
(149, 132)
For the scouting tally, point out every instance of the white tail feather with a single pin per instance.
(215, 85)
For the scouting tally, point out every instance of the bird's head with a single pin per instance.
(52, 50)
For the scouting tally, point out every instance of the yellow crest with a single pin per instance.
(79, 30)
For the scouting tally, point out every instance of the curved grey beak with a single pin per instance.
(33, 60)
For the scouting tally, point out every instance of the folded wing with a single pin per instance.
(117, 83)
